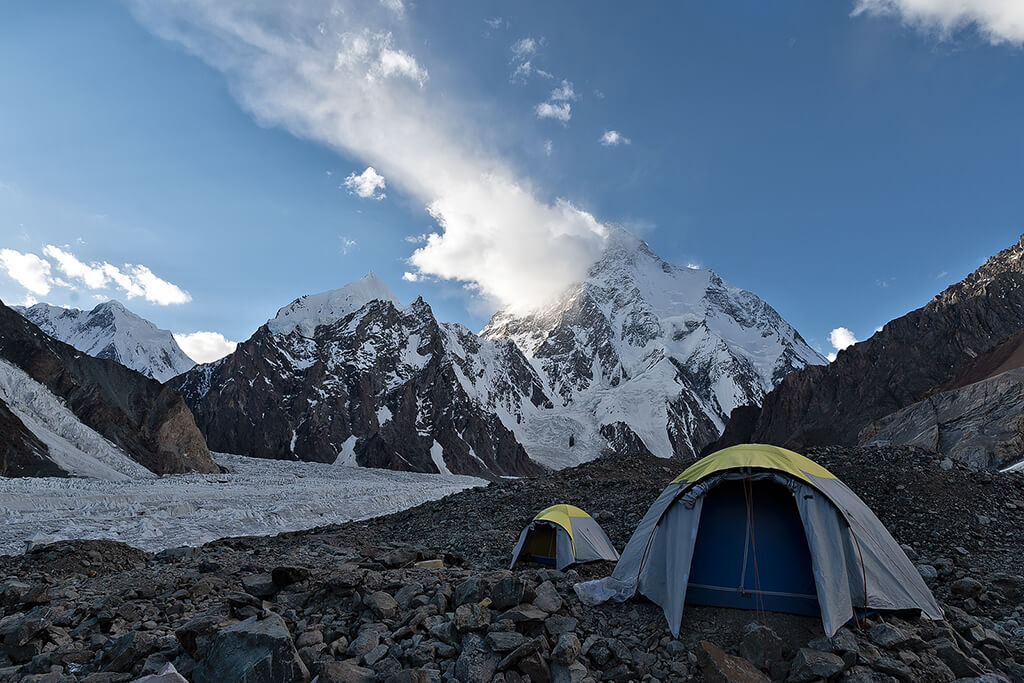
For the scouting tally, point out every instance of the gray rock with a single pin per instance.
(574, 673)
(567, 650)
(287, 575)
(558, 624)
(504, 641)
(547, 598)
(344, 672)
(536, 667)
(886, 635)
(507, 593)
(405, 595)
(909, 552)
(471, 617)
(128, 650)
(472, 589)
(718, 667)
(476, 664)
(260, 585)
(167, 674)
(366, 640)
(891, 666)
(967, 588)
(760, 646)
(255, 651)
(524, 613)
(927, 572)
(959, 663)
(381, 604)
(810, 665)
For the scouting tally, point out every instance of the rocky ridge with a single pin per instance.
(354, 376)
(423, 595)
(913, 357)
(146, 420)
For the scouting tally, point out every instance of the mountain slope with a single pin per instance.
(352, 376)
(112, 331)
(148, 421)
(910, 359)
(646, 355)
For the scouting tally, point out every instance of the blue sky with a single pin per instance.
(845, 160)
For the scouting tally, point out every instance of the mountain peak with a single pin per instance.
(307, 312)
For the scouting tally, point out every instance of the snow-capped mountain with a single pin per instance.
(64, 412)
(112, 331)
(353, 376)
(644, 354)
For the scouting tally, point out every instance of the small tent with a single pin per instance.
(562, 535)
(761, 527)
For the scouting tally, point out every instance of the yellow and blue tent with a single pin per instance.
(562, 535)
(761, 527)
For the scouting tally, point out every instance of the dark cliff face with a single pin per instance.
(909, 359)
(385, 386)
(21, 453)
(146, 419)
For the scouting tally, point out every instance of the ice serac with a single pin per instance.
(946, 354)
(353, 376)
(42, 378)
(112, 331)
(646, 355)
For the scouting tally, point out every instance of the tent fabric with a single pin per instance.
(576, 536)
(847, 545)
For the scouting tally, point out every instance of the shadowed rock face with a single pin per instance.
(980, 424)
(21, 453)
(911, 358)
(147, 420)
(382, 386)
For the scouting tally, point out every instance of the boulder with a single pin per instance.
(761, 646)
(567, 650)
(507, 593)
(286, 576)
(476, 664)
(967, 588)
(260, 585)
(344, 672)
(811, 665)
(255, 651)
(382, 605)
(558, 624)
(886, 635)
(471, 617)
(547, 598)
(718, 667)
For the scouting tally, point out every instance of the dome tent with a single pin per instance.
(762, 527)
(562, 535)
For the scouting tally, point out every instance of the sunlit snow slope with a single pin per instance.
(112, 331)
(644, 354)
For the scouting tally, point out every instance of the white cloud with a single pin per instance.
(524, 47)
(560, 111)
(134, 280)
(840, 338)
(563, 93)
(612, 138)
(693, 266)
(998, 21)
(369, 184)
(417, 239)
(396, 6)
(205, 347)
(347, 245)
(410, 277)
(831, 356)
(373, 56)
(548, 147)
(291, 65)
(28, 270)
(495, 23)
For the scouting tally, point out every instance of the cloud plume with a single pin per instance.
(205, 347)
(324, 75)
(998, 21)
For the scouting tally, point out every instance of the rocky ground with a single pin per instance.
(425, 595)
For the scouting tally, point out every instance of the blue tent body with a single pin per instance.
(769, 560)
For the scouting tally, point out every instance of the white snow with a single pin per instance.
(112, 331)
(75, 448)
(347, 457)
(383, 415)
(307, 312)
(437, 455)
(256, 497)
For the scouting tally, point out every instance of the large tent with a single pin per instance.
(761, 527)
(562, 535)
